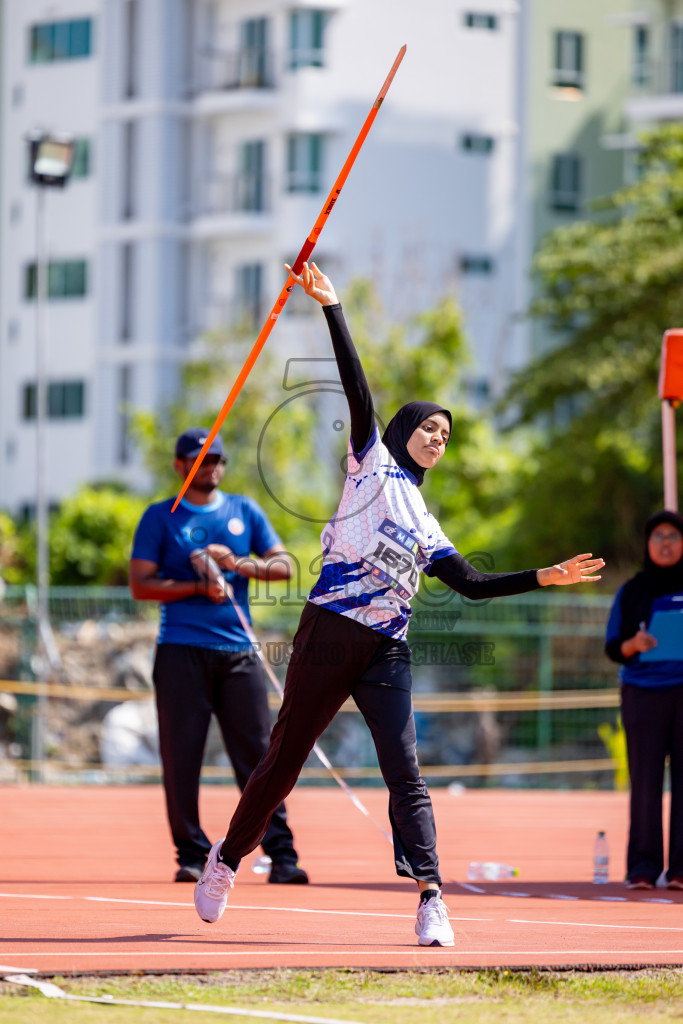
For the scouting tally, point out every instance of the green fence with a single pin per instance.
(509, 692)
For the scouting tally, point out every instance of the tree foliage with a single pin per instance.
(608, 287)
(90, 539)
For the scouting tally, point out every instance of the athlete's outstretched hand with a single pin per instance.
(315, 284)
(578, 569)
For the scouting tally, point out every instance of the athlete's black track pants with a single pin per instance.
(334, 658)
(191, 683)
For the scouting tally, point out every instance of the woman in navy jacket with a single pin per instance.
(652, 700)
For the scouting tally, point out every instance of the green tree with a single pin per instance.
(90, 539)
(91, 536)
(608, 287)
(10, 558)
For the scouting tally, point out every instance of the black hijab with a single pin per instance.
(405, 422)
(642, 590)
(661, 579)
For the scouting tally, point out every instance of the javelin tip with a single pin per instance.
(390, 77)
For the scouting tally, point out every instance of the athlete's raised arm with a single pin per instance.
(356, 389)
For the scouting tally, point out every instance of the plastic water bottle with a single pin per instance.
(489, 871)
(261, 865)
(600, 860)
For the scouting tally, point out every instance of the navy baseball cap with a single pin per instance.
(192, 441)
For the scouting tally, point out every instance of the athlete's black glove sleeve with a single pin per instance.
(459, 574)
(352, 377)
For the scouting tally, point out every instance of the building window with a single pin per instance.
(568, 70)
(129, 176)
(677, 58)
(65, 400)
(66, 279)
(248, 286)
(565, 184)
(132, 20)
(304, 162)
(641, 55)
(250, 191)
(127, 290)
(307, 39)
(80, 167)
(125, 395)
(252, 70)
(473, 143)
(476, 265)
(478, 20)
(60, 40)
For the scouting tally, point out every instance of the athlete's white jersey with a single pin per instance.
(377, 543)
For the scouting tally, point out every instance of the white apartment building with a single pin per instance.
(209, 133)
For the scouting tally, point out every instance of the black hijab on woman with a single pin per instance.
(661, 579)
(405, 422)
(640, 592)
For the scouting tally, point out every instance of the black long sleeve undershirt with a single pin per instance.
(459, 574)
(352, 377)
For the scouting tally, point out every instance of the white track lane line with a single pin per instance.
(599, 924)
(32, 896)
(236, 906)
(144, 903)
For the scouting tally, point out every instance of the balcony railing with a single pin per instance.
(249, 68)
(658, 77)
(234, 194)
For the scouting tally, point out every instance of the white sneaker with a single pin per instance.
(432, 926)
(211, 891)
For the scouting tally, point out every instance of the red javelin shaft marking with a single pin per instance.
(306, 250)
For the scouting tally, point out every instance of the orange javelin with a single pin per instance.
(306, 250)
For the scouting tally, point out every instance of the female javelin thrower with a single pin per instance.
(374, 548)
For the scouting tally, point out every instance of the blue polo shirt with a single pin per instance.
(168, 539)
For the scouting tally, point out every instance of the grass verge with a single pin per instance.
(433, 996)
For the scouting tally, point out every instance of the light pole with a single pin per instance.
(51, 158)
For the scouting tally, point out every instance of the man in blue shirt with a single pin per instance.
(204, 660)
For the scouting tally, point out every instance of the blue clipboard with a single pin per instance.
(667, 628)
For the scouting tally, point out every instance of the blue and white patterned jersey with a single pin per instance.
(377, 543)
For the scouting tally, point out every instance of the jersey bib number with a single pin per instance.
(391, 559)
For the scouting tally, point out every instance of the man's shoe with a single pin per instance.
(675, 883)
(287, 872)
(639, 882)
(211, 891)
(189, 873)
(432, 926)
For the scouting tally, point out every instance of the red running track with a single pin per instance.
(85, 885)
